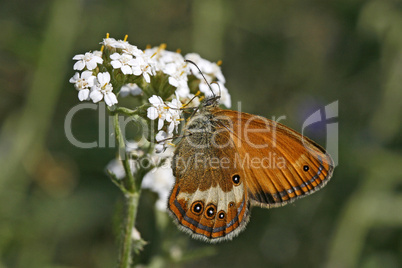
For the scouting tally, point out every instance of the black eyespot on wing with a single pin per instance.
(236, 179)
(221, 215)
(197, 207)
(306, 168)
(210, 211)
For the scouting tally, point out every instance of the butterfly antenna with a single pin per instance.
(209, 85)
(219, 86)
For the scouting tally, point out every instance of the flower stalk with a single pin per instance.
(126, 250)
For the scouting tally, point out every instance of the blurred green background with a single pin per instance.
(280, 57)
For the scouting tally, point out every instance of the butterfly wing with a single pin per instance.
(229, 160)
(205, 200)
(280, 165)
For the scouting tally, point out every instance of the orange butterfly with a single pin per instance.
(228, 161)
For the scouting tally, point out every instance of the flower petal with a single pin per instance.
(110, 99)
(103, 78)
(160, 123)
(173, 81)
(125, 69)
(83, 94)
(159, 148)
(96, 96)
(115, 56)
(79, 65)
(86, 74)
(155, 100)
(152, 113)
(161, 135)
(146, 77)
(74, 78)
(92, 64)
(116, 64)
(78, 57)
(170, 127)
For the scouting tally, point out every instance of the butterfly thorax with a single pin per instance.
(201, 144)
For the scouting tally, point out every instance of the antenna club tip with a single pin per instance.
(219, 62)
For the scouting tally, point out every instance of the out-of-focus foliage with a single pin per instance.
(57, 206)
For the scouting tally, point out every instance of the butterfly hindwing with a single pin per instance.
(205, 201)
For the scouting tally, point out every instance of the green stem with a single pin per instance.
(132, 196)
(131, 214)
(125, 111)
(130, 186)
(129, 112)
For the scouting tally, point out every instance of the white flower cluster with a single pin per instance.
(134, 61)
(174, 65)
(212, 72)
(130, 62)
(96, 86)
(88, 85)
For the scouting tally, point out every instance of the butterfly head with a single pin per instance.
(212, 101)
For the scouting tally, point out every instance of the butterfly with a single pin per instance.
(228, 161)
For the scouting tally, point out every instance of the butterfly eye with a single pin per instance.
(197, 207)
(305, 168)
(210, 211)
(221, 215)
(236, 179)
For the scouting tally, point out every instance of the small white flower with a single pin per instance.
(175, 113)
(116, 167)
(160, 138)
(97, 53)
(111, 42)
(121, 44)
(158, 110)
(103, 90)
(141, 66)
(132, 50)
(183, 91)
(163, 58)
(177, 73)
(130, 88)
(123, 62)
(83, 83)
(211, 70)
(88, 60)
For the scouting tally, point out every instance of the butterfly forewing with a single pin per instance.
(280, 164)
